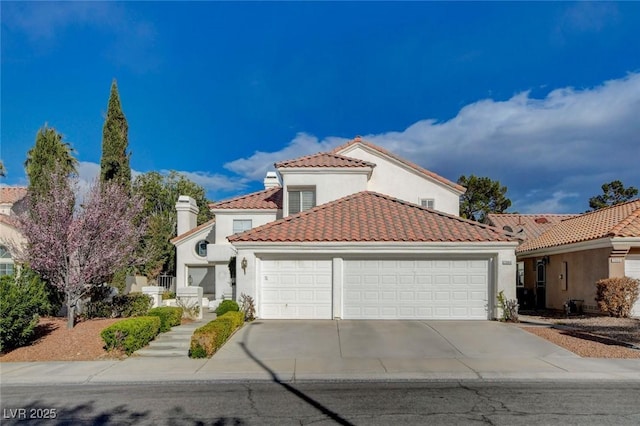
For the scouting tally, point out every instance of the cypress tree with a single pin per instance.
(114, 164)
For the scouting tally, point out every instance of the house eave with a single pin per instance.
(376, 247)
(566, 248)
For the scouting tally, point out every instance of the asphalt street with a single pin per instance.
(323, 403)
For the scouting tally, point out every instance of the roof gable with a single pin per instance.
(198, 229)
(622, 220)
(372, 217)
(324, 159)
(358, 141)
(267, 199)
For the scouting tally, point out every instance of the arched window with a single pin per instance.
(6, 262)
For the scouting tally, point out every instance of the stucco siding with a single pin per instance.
(397, 181)
(224, 222)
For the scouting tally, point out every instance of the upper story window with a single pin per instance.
(201, 248)
(301, 200)
(6, 263)
(427, 202)
(241, 225)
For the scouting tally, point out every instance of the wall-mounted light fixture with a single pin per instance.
(190, 279)
(244, 264)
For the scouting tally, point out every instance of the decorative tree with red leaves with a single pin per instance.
(77, 247)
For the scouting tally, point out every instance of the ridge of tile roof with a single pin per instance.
(527, 226)
(372, 217)
(267, 199)
(324, 159)
(12, 194)
(621, 220)
(192, 231)
(359, 141)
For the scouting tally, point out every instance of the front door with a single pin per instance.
(541, 284)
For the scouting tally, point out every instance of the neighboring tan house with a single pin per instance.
(526, 227)
(11, 204)
(564, 262)
(354, 233)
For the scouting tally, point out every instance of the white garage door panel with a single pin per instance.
(422, 289)
(296, 289)
(632, 269)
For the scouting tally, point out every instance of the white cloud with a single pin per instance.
(533, 146)
(215, 184)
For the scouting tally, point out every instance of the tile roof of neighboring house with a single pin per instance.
(190, 232)
(359, 140)
(11, 194)
(9, 220)
(324, 159)
(622, 220)
(267, 199)
(526, 226)
(371, 217)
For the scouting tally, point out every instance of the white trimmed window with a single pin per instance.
(427, 202)
(6, 263)
(301, 200)
(520, 274)
(241, 225)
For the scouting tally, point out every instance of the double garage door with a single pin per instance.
(376, 289)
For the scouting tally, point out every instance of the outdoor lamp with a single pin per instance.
(243, 265)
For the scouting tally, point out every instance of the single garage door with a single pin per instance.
(632, 269)
(416, 289)
(296, 289)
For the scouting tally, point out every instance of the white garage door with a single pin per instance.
(416, 289)
(296, 289)
(632, 269)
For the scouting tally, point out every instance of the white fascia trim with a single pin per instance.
(634, 241)
(409, 248)
(222, 212)
(567, 248)
(196, 235)
(353, 170)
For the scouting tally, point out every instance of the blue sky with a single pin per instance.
(544, 97)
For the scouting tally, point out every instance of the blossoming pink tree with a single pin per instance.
(77, 247)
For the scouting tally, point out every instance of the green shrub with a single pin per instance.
(236, 318)
(21, 301)
(170, 316)
(207, 339)
(616, 296)
(131, 334)
(121, 306)
(132, 304)
(226, 306)
(168, 295)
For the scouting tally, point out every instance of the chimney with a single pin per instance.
(187, 214)
(271, 180)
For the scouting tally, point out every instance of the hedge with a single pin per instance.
(207, 339)
(616, 296)
(131, 334)
(122, 306)
(226, 306)
(170, 316)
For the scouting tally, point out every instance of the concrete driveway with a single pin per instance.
(283, 339)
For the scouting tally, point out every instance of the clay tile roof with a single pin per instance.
(359, 141)
(324, 159)
(190, 232)
(11, 194)
(371, 217)
(526, 226)
(622, 220)
(267, 199)
(10, 220)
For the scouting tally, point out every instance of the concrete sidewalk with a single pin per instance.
(344, 350)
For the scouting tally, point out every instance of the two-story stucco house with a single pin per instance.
(11, 204)
(355, 233)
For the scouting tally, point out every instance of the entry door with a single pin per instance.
(541, 285)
